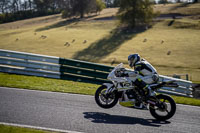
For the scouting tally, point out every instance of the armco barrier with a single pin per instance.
(52, 67)
(184, 88)
(60, 68)
(83, 71)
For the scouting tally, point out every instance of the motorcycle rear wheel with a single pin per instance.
(164, 104)
(105, 100)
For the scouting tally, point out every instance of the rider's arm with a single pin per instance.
(139, 67)
(131, 74)
(142, 66)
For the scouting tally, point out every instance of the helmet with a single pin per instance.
(132, 59)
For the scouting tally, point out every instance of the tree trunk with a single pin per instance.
(2, 9)
(3, 6)
(30, 4)
(82, 15)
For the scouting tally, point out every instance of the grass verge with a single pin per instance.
(56, 85)
(46, 84)
(12, 129)
(186, 100)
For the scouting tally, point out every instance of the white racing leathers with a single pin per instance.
(147, 72)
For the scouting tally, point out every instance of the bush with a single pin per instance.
(99, 6)
(65, 14)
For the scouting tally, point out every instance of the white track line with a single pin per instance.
(38, 128)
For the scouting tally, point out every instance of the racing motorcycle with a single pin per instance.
(122, 89)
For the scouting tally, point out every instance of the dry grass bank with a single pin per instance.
(172, 49)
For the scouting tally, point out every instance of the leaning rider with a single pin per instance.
(146, 70)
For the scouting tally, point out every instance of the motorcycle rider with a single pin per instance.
(148, 74)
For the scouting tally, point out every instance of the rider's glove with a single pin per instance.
(121, 74)
(124, 75)
(133, 74)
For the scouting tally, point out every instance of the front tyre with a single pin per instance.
(105, 100)
(164, 109)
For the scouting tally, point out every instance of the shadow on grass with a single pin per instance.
(97, 117)
(63, 23)
(105, 18)
(183, 5)
(105, 46)
(176, 14)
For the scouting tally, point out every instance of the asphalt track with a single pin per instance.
(79, 113)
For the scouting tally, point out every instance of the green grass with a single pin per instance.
(46, 84)
(187, 101)
(56, 85)
(12, 129)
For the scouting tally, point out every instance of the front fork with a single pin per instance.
(110, 88)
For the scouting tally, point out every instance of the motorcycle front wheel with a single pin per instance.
(105, 100)
(164, 109)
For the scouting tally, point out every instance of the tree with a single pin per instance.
(42, 5)
(14, 5)
(4, 5)
(30, 4)
(195, 1)
(99, 6)
(80, 7)
(61, 4)
(108, 3)
(135, 12)
(54, 4)
(39, 4)
(116, 3)
(163, 2)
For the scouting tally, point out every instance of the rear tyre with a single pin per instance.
(105, 100)
(166, 108)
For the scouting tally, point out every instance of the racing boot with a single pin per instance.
(140, 105)
(147, 92)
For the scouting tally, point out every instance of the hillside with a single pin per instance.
(171, 48)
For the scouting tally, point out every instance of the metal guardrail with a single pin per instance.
(180, 76)
(52, 67)
(60, 68)
(184, 88)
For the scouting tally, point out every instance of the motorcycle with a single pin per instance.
(122, 89)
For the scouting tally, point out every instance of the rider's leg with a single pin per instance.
(142, 85)
(145, 89)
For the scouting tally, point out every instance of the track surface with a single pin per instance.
(80, 113)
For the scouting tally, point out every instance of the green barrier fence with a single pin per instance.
(84, 71)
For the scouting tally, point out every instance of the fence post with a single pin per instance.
(187, 77)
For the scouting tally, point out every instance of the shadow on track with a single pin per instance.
(98, 117)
